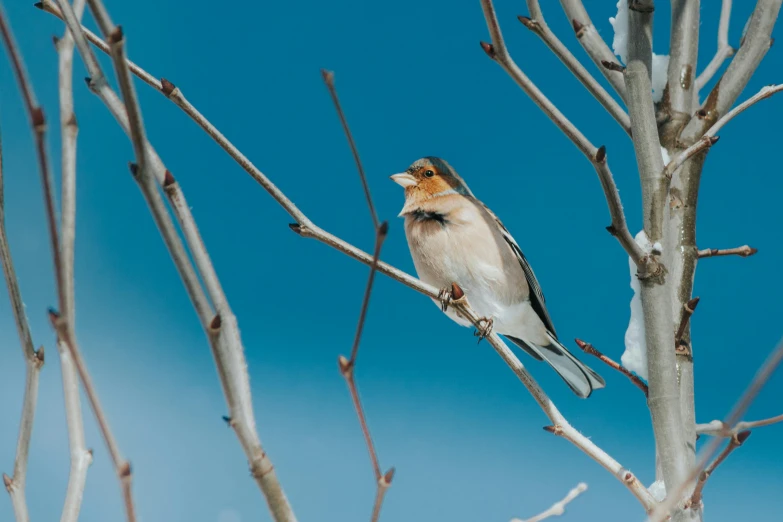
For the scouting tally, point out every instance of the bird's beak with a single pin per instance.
(404, 179)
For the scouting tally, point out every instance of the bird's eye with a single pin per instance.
(429, 173)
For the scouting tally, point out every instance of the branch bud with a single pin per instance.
(578, 28)
(489, 49)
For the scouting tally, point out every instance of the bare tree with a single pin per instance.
(664, 254)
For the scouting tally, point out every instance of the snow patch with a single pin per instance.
(658, 490)
(635, 355)
(660, 62)
(665, 156)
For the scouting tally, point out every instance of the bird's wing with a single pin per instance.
(536, 295)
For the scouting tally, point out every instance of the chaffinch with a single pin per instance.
(454, 238)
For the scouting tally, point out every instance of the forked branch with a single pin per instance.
(754, 46)
(537, 24)
(348, 366)
(735, 442)
(710, 136)
(220, 323)
(306, 228)
(676, 494)
(34, 360)
(597, 156)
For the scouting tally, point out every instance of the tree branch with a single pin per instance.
(558, 508)
(306, 228)
(221, 326)
(710, 136)
(347, 366)
(684, 50)
(597, 156)
(718, 428)
(754, 47)
(663, 398)
(735, 442)
(538, 25)
(34, 360)
(175, 95)
(675, 495)
(591, 350)
(592, 43)
(743, 251)
(81, 457)
(724, 49)
(328, 78)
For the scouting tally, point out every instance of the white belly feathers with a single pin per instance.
(466, 248)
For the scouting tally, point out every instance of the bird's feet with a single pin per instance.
(484, 328)
(451, 295)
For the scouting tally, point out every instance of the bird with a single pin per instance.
(455, 238)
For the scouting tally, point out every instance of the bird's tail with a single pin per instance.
(579, 377)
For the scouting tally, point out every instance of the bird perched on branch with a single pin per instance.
(454, 238)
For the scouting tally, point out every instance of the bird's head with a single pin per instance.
(429, 178)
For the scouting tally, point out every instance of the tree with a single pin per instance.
(671, 137)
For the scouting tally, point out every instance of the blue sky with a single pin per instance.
(463, 433)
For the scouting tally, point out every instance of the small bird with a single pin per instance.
(454, 238)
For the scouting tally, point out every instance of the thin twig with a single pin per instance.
(538, 25)
(718, 428)
(592, 42)
(743, 251)
(81, 457)
(38, 123)
(347, 366)
(328, 77)
(34, 360)
(687, 311)
(227, 350)
(597, 156)
(558, 508)
(591, 350)
(704, 143)
(724, 49)
(174, 94)
(675, 495)
(306, 228)
(66, 335)
(753, 48)
(735, 442)
(221, 327)
(710, 136)
(122, 466)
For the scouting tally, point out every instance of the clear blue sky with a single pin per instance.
(464, 434)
